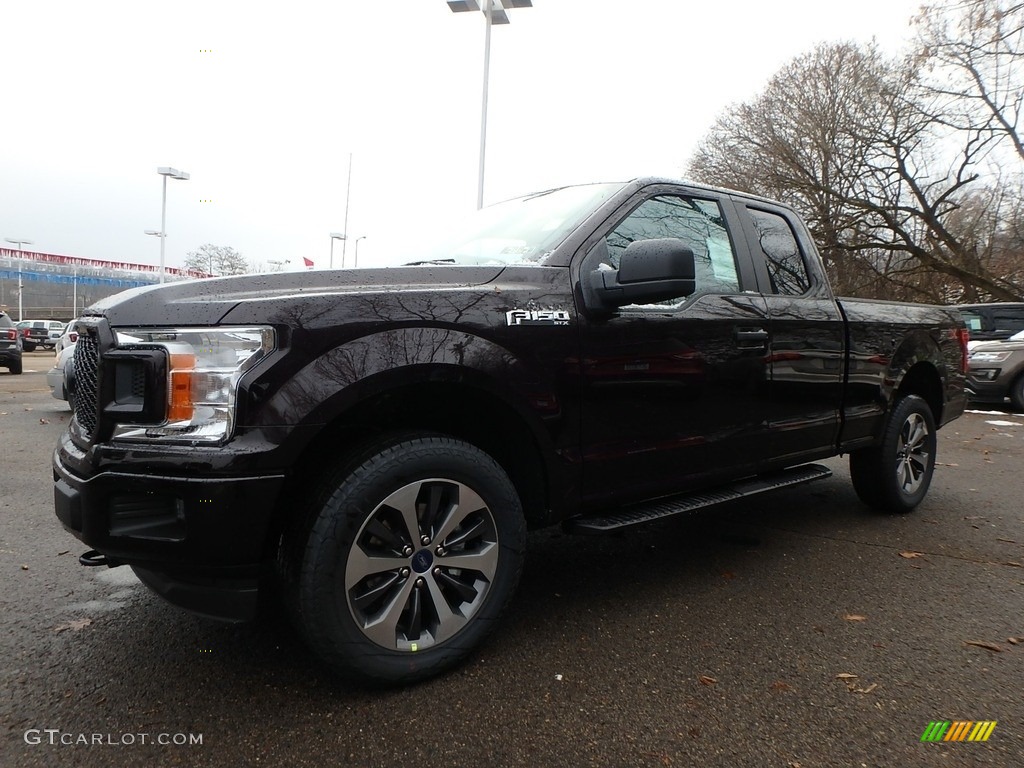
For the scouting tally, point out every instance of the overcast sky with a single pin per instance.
(262, 103)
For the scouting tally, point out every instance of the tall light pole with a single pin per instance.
(356, 260)
(337, 236)
(348, 193)
(174, 173)
(21, 285)
(494, 13)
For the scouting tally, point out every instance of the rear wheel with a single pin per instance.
(15, 367)
(894, 475)
(410, 559)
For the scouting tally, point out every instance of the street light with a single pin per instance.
(174, 173)
(21, 285)
(494, 12)
(336, 236)
(356, 261)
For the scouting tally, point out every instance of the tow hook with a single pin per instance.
(93, 558)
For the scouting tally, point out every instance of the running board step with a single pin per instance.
(690, 502)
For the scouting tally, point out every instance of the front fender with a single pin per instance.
(342, 377)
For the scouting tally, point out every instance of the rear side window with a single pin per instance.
(786, 268)
(5, 321)
(1008, 320)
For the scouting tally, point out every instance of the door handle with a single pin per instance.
(751, 337)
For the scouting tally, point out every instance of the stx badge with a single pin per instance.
(537, 317)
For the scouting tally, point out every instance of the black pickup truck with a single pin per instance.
(374, 443)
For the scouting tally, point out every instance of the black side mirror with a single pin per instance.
(649, 271)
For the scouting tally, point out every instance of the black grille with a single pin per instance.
(86, 361)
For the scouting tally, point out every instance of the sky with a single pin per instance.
(264, 104)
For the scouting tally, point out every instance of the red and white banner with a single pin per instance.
(52, 258)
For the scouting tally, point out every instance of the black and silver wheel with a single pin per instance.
(410, 560)
(894, 476)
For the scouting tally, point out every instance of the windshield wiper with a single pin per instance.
(429, 261)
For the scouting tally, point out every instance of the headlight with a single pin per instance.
(204, 366)
(989, 357)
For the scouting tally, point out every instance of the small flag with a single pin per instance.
(307, 262)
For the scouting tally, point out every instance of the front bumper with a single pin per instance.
(987, 391)
(197, 541)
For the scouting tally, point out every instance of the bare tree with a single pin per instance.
(217, 260)
(856, 142)
(974, 52)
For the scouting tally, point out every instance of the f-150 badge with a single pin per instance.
(537, 317)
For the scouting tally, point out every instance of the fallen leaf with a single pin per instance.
(63, 553)
(845, 676)
(707, 680)
(1015, 640)
(987, 646)
(855, 617)
(1007, 541)
(869, 689)
(911, 555)
(780, 685)
(75, 625)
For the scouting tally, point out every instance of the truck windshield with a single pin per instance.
(520, 231)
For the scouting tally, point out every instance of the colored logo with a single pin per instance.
(959, 730)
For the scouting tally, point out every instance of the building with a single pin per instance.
(50, 286)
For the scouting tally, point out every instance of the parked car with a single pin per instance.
(40, 333)
(996, 371)
(992, 322)
(61, 378)
(379, 440)
(10, 344)
(68, 337)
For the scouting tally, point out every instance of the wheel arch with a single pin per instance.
(922, 379)
(431, 402)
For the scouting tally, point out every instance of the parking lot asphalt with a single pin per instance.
(797, 629)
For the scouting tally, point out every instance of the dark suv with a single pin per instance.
(10, 344)
(993, 322)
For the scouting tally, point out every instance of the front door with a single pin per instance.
(675, 394)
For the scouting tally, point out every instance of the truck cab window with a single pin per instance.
(786, 268)
(698, 223)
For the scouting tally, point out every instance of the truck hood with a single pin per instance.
(206, 302)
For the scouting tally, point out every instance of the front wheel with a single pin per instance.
(894, 475)
(411, 558)
(1017, 393)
